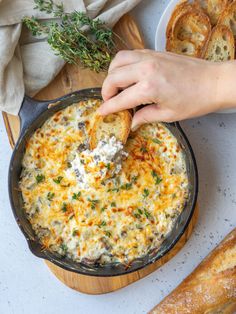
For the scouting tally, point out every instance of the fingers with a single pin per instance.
(129, 98)
(149, 114)
(126, 57)
(119, 78)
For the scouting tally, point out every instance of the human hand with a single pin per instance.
(175, 87)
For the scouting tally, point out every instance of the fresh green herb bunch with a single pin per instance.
(74, 36)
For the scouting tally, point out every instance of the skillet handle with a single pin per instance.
(30, 110)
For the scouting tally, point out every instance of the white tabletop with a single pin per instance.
(27, 286)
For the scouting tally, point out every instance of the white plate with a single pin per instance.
(160, 38)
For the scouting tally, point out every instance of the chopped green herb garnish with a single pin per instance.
(103, 224)
(113, 190)
(138, 216)
(140, 211)
(64, 247)
(50, 196)
(156, 177)
(113, 204)
(145, 193)
(108, 234)
(143, 149)
(76, 196)
(155, 140)
(40, 178)
(58, 180)
(69, 165)
(103, 208)
(108, 166)
(74, 233)
(134, 179)
(147, 214)
(126, 186)
(93, 203)
(64, 207)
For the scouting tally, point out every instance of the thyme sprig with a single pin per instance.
(74, 36)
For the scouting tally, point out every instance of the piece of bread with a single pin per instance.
(210, 288)
(213, 8)
(116, 124)
(190, 34)
(220, 46)
(228, 17)
(180, 9)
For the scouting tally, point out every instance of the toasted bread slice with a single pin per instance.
(190, 34)
(181, 8)
(115, 124)
(228, 17)
(213, 8)
(221, 45)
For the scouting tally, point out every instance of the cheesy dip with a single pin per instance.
(110, 205)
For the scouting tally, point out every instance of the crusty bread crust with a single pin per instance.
(220, 46)
(213, 8)
(228, 17)
(181, 8)
(116, 124)
(210, 288)
(190, 34)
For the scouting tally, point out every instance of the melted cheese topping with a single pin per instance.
(93, 207)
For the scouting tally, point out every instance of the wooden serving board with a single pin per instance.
(72, 78)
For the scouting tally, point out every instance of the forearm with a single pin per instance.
(226, 86)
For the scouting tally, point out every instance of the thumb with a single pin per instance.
(149, 114)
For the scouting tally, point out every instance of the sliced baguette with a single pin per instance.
(213, 8)
(228, 17)
(210, 288)
(180, 9)
(190, 34)
(220, 46)
(115, 124)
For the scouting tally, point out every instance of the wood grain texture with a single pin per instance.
(72, 78)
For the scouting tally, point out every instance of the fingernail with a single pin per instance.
(134, 126)
(100, 111)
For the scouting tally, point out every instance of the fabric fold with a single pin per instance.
(27, 63)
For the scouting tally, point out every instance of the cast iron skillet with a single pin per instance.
(33, 114)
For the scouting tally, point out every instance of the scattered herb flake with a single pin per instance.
(93, 203)
(126, 186)
(113, 204)
(58, 180)
(103, 224)
(74, 233)
(147, 214)
(108, 166)
(143, 149)
(108, 234)
(50, 196)
(113, 190)
(155, 140)
(156, 177)
(76, 196)
(145, 193)
(64, 207)
(40, 178)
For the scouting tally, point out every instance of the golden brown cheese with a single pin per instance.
(114, 219)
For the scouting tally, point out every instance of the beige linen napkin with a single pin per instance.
(27, 64)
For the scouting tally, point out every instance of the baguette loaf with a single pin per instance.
(115, 124)
(190, 34)
(221, 45)
(210, 288)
